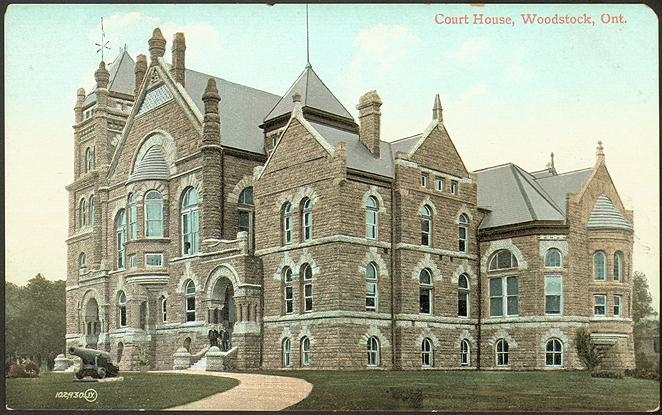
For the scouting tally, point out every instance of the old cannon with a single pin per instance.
(95, 363)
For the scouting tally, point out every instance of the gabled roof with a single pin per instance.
(314, 94)
(514, 196)
(122, 77)
(560, 185)
(607, 216)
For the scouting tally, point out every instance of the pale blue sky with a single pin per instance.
(509, 93)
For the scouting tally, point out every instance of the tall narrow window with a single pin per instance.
(618, 266)
(190, 223)
(372, 217)
(554, 353)
(247, 215)
(82, 268)
(463, 296)
(553, 294)
(425, 291)
(371, 297)
(600, 305)
(82, 212)
(92, 209)
(501, 352)
(373, 351)
(307, 274)
(133, 217)
(465, 353)
(553, 258)
(121, 308)
(426, 225)
(439, 184)
(120, 238)
(454, 187)
(190, 300)
(288, 293)
(463, 233)
(305, 351)
(617, 305)
(153, 214)
(89, 159)
(307, 219)
(424, 180)
(599, 266)
(287, 353)
(288, 222)
(504, 296)
(426, 353)
(164, 309)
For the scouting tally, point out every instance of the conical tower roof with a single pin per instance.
(606, 215)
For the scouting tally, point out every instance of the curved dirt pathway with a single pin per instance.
(254, 393)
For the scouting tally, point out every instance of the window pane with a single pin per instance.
(512, 287)
(553, 304)
(462, 304)
(553, 285)
(425, 300)
(496, 288)
(496, 307)
(513, 305)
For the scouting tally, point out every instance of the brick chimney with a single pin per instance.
(140, 70)
(369, 120)
(78, 109)
(178, 69)
(157, 45)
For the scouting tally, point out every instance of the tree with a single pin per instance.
(642, 302)
(586, 350)
(35, 317)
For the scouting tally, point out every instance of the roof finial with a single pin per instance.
(104, 43)
(600, 152)
(308, 65)
(437, 111)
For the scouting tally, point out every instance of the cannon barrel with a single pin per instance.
(88, 354)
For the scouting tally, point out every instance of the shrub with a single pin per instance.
(586, 349)
(610, 374)
(642, 374)
(26, 370)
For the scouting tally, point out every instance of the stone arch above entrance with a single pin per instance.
(222, 271)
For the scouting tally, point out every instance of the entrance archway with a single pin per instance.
(91, 323)
(222, 310)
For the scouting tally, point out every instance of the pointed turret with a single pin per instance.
(139, 71)
(599, 153)
(212, 120)
(102, 76)
(178, 69)
(157, 44)
(437, 110)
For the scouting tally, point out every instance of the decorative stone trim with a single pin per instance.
(554, 333)
(302, 193)
(305, 332)
(363, 317)
(285, 334)
(189, 275)
(373, 255)
(465, 268)
(246, 181)
(223, 270)
(546, 244)
(426, 262)
(145, 186)
(466, 335)
(427, 201)
(190, 180)
(373, 331)
(373, 191)
(427, 333)
(163, 139)
(321, 241)
(286, 261)
(435, 251)
(463, 209)
(503, 334)
(503, 244)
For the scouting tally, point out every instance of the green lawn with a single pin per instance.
(474, 391)
(150, 391)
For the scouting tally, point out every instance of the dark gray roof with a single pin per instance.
(122, 77)
(404, 144)
(560, 185)
(358, 155)
(606, 215)
(514, 196)
(313, 93)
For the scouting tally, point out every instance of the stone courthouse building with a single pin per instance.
(200, 204)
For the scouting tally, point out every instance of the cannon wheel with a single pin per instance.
(79, 374)
(101, 372)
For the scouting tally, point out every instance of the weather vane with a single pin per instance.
(104, 43)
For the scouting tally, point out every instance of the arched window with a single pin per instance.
(288, 292)
(133, 217)
(463, 296)
(372, 218)
(501, 348)
(89, 159)
(553, 258)
(288, 223)
(554, 353)
(190, 223)
(373, 352)
(92, 209)
(426, 225)
(82, 212)
(502, 259)
(307, 280)
(82, 262)
(465, 353)
(247, 215)
(372, 291)
(305, 351)
(599, 266)
(190, 300)
(463, 233)
(120, 239)
(121, 308)
(426, 353)
(287, 353)
(120, 351)
(307, 219)
(618, 266)
(425, 291)
(153, 214)
(164, 309)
